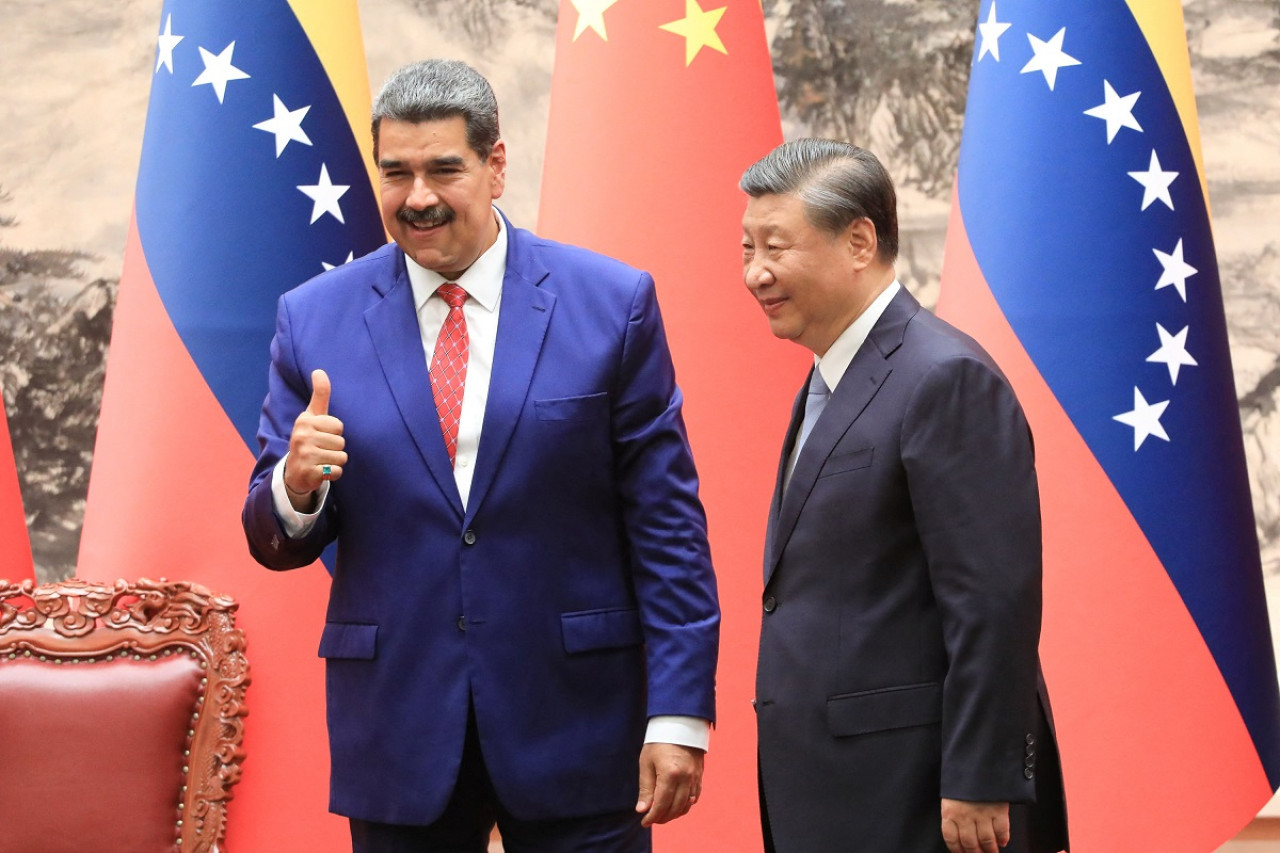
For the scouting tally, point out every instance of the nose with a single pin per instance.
(756, 274)
(421, 196)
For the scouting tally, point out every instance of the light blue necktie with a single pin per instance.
(819, 394)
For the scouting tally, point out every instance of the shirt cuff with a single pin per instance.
(296, 524)
(693, 732)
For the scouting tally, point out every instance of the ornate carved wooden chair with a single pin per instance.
(121, 716)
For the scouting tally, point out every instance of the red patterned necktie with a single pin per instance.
(449, 365)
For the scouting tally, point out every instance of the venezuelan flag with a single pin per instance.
(1080, 253)
(255, 175)
(15, 544)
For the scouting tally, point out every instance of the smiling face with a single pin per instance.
(811, 284)
(437, 194)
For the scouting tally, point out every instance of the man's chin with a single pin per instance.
(426, 258)
(783, 331)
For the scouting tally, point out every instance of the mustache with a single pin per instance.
(440, 214)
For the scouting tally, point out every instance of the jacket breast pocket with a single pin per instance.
(586, 408)
(347, 641)
(841, 463)
(595, 630)
(851, 714)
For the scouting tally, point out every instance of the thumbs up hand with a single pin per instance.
(315, 446)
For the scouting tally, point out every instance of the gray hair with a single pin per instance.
(837, 182)
(437, 89)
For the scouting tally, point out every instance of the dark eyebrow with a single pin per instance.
(452, 160)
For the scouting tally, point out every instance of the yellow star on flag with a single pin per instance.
(591, 14)
(698, 28)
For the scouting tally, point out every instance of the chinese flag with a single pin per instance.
(1080, 253)
(657, 107)
(15, 545)
(254, 177)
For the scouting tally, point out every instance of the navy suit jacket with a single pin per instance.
(898, 653)
(572, 599)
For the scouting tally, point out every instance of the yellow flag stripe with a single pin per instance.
(1162, 23)
(333, 26)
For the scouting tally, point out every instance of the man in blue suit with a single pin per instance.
(898, 693)
(523, 624)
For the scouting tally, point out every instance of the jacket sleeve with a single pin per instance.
(665, 523)
(968, 454)
(288, 392)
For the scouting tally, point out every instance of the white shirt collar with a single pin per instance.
(482, 281)
(836, 361)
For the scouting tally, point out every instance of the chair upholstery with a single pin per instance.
(121, 716)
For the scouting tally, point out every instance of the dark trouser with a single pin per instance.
(1031, 831)
(473, 810)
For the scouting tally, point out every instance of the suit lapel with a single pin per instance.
(397, 339)
(793, 429)
(522, 328)
(864, 377)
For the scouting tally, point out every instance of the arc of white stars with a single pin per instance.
(990, 30)
(591, 16)
(1173, 352)
(325, 194)
(218, 70)
(1155, 183)
(1049, 57)
(1176, 270)
(286, 124)
(1116, 111)
(328, 266)
(1144, 417)
(165, 43)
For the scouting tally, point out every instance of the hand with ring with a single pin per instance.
(316, 445)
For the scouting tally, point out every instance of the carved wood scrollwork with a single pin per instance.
(78, 620)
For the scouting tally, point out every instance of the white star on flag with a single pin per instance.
(325, 194)
(218, 70)
(1155, 183)
(165, 43)
(1173, 352)
(1176, 270)
(1116, 111)
(286, 124)
(1049, 57)
(1144, 418)
(591, 14)
(991, 30)
(328, 266)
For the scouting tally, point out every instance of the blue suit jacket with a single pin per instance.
(898, 655)
(569, 602)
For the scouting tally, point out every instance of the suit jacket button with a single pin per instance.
(770, 604)
(1029, 773)
(462, 623)
(1031, 739)
(1030, 761)
(469, 538)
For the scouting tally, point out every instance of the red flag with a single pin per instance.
(15, 545)
(252, 180)
(1080, 253)
(657, 107)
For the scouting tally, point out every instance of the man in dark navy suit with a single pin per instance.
(899, 701)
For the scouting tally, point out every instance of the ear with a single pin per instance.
(498, 168)
(863, 244)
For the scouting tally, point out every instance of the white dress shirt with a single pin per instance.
(483, 283)
(833, 364)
